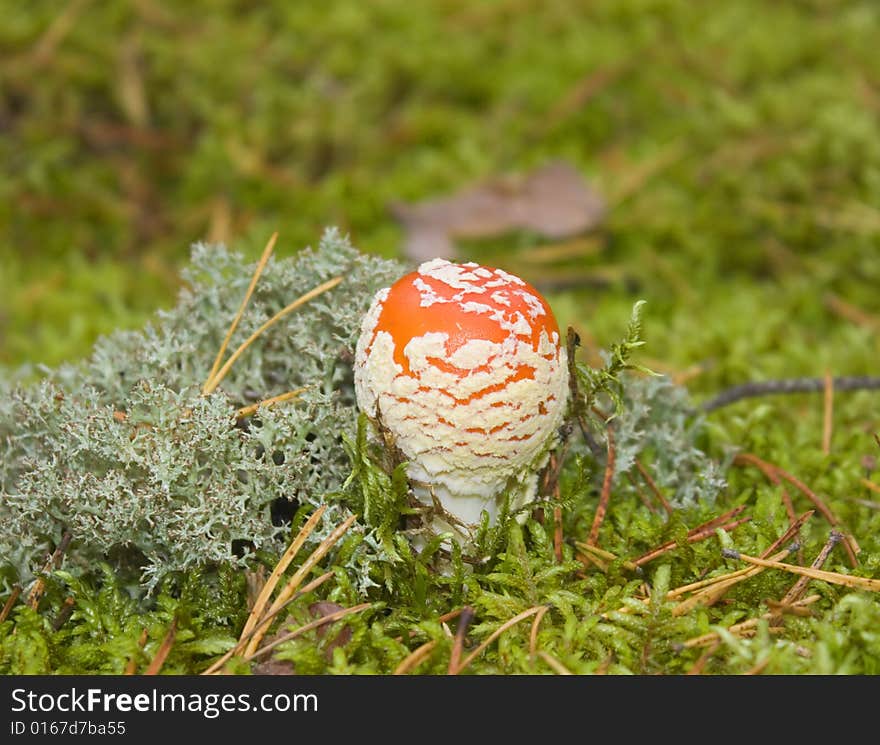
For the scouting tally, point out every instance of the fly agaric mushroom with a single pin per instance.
(464, 367)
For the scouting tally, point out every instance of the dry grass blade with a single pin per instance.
(252, 409)
(261, 265)
(323, 621)
(555, 664)
(415, 658)
(211, 386)
(291, 587)
(269, 587)
(847, 580)
(498, 632)
(164, 649)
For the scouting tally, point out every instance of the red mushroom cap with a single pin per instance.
(464, 366)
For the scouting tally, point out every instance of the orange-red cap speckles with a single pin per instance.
(466, 368)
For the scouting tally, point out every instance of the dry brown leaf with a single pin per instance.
(553, 200)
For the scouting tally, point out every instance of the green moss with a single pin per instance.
(737, 143)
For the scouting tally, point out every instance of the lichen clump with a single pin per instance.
(123, 452)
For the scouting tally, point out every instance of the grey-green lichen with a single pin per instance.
(123, 452)
(658, 423)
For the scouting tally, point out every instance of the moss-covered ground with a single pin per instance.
(738, 146)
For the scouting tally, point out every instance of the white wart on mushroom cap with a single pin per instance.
(465, 368)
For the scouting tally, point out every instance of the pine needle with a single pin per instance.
(323, 621)
(555, 664)
(266, 620)
(847, 580)
(498, 632)
(264, 259)
(533, 637)
(252, 409)
(415, 658)
(215, 381)
(745, 628)
(293, 584)
(870, 485)
(269, 587)
(721, 585)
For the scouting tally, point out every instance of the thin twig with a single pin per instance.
(694, 537)
(53, 560)
(131, 665)
(827, 413)
(789, 534)
(797, 590)
(652, 485)
(701, 532)
(64, 613)
(791, 385)
(765, 467)
(602, 507)
(10, 602)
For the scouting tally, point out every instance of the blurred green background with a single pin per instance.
(737, 143)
